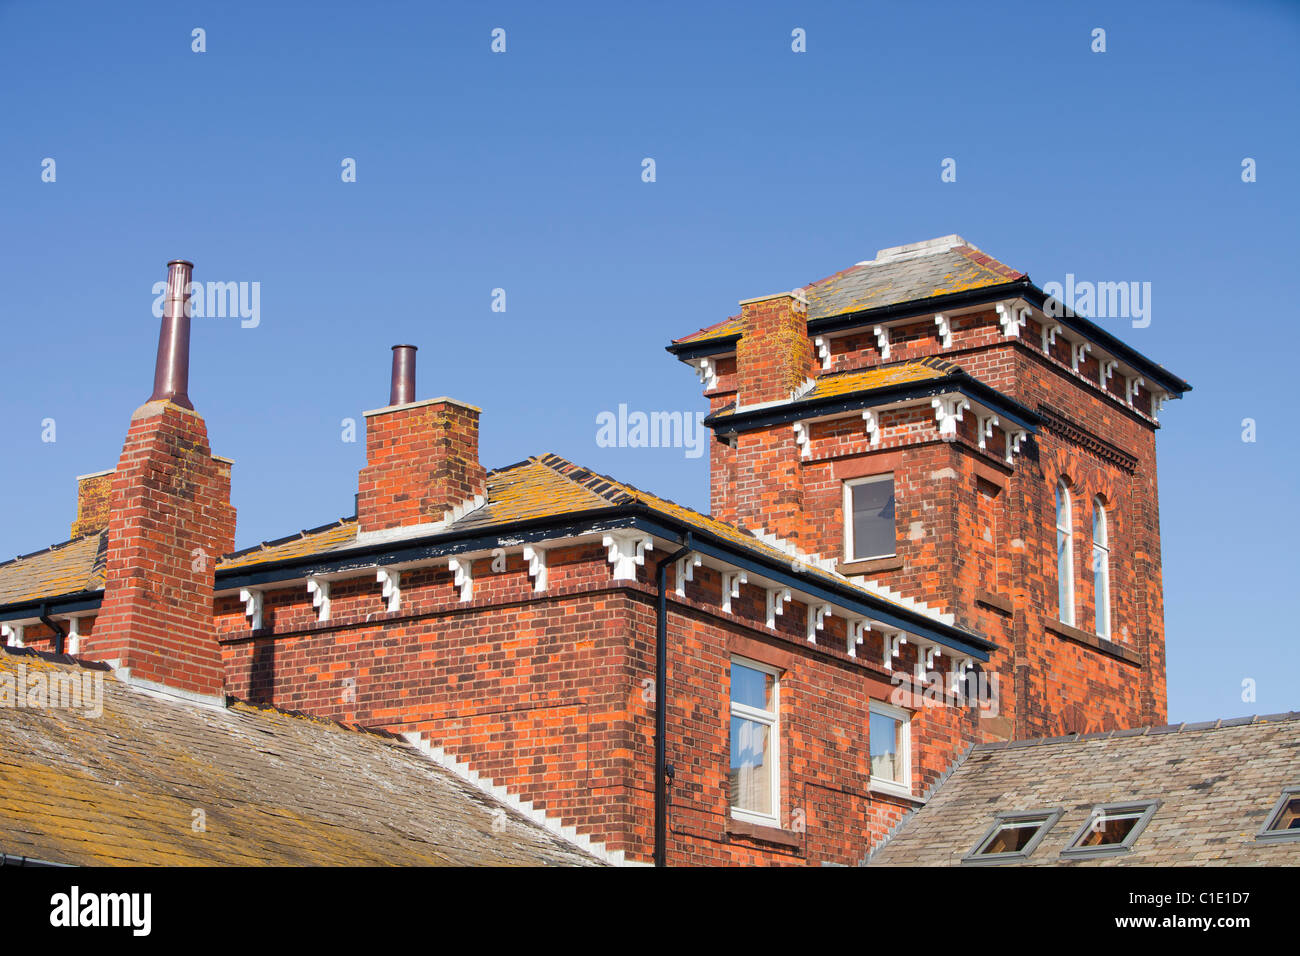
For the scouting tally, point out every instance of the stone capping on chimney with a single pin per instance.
(426, 401)
(796, 294)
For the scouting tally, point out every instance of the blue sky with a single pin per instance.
(522, 171)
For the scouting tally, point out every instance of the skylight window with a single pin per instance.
(1013, 836)
(1283, 822)
(1111, 828)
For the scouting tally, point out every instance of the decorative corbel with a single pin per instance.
(707, 370)
(1013, 443)
(686, 571)
(74, 636)
(947, 412)
(1011, 318)
(817, 614)
(536, 560)
(856, 629)
(1108, 367)
(13, 634)
(392, 582)
(462, 570)
(319, 589)
(802, 439)
(945, 330)
(987, 423)
(1131, 388)
(1049, 336)
(731, 582)
(776, 601)
(893, 641)
(252, 599)
(823, 350)
(626, 552)
(872, 420)
(882, 340)
(1077, 353)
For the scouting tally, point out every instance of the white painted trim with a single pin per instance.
(553, 825)
(904, 717)
(462, 570)
(392, 581)
(319, 589)
(252, 599)
(536, 558)
(772, 718)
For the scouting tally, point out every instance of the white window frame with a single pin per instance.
(849, 555)
(904, 718)
(773, 721)
(1064, 582)
(1101, 568)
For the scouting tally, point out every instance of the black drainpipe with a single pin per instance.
(49, 622)
(661, 703)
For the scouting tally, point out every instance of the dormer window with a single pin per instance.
(1111, 828)
(1283, 822)
(869, 518)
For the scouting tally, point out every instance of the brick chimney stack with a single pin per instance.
(421, 457)
(170, 519)
(93, 494)
(774, 356)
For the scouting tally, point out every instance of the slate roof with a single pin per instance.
(66, 568)
(1216, 783)
(947, 266)
(545, 486)
(274, 788)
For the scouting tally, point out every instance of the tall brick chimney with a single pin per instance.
(774, 357)
(170, 519)
(421, 457)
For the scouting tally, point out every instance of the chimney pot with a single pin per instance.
(171, 375)
(402, 390)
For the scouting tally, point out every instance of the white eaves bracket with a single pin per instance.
(945, 330)
(776, 602)
(1012, 318)
(856, 628)
(893, 640)
(392, 582)
(1049, 335)
(817, 614)
(731, 582)
(1013, 443)
(13, 635)
(986, 425)
(252, 600)
(823, 350)
(685, 571)
(872, 420)
(947, 412)
(462, 571)
(536, 561)
(626, 552)
(707, 370)
(802, 439)
(319, 589)
(882, 340)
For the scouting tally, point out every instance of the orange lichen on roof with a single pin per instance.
(732, 325)
(67, 568)
(314, 541)
(150, 781)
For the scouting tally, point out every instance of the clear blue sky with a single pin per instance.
(523, 171)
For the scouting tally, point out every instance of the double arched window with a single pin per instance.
(1064, 554)
(1101, 567)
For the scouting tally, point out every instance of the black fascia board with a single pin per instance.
(616, 517)
(1019, 288)
(1008, 408)
(688, 351)
(69, 603)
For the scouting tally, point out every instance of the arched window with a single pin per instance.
(1064, 554)
(1101, 567)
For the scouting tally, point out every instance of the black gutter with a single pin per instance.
(69, 603)
(59, 633)
(1006, 407)
(1020, 288)
(661, 701)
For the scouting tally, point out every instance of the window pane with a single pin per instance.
(1098, 525)
(1108, 830)
(1012, 837)
(885, 750)
(751, 771)
(1062, 508)
(1064, 576)
(1101, 590)
(751, 687)
(873, 519)
(1289, 818)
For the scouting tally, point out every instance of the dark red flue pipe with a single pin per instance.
(402, 391)
(171, 373)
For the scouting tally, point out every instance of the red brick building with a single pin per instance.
(934, 524)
